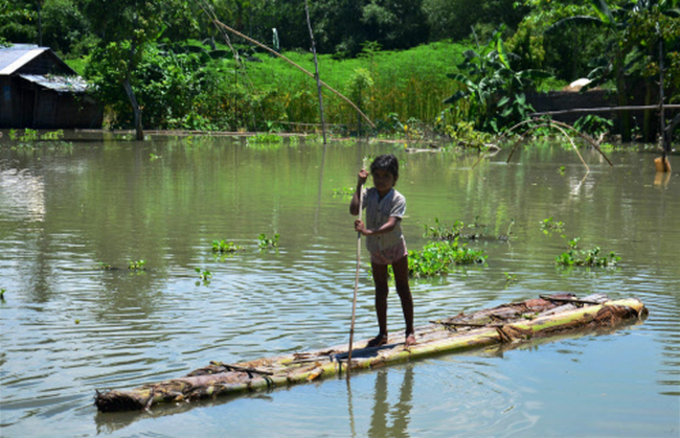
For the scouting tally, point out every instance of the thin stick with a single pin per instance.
(568, 300)
(552, 125)
(308, 73)
(574, 146)
(318, 78)
(356, 288)
(549, 124)
(602, 109)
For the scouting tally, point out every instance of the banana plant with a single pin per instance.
(491, 90)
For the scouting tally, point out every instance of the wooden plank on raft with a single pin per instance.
(513, 323)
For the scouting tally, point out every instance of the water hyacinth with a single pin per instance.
(437, 258)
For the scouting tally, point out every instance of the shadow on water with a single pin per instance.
(398, 415)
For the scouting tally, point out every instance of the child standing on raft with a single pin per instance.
(385, 207)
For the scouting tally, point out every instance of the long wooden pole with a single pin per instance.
(356, 288)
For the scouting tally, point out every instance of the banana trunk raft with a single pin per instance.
(547, 316)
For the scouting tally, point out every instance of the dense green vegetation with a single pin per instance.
(413, 66)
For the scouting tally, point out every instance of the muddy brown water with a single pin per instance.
(70, 327)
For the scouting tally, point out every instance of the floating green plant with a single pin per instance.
(267, 243)
(442, 231)
(549, 226)
(53, 135)
(138, 265)
(2, 294)
(510, 278)
(32, 135)
(590, 258)
(437, 258)
(204, 276)
(222, 246)
(266, 138)
(154, 157)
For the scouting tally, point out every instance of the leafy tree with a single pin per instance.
(18, 20)
(337, 25)
(65, 28)
(342, 26)
(455, 18)
(128, 29)
(395, 24)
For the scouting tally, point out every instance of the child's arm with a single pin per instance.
(385, 228)
(354, 207)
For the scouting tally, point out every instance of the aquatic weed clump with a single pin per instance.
(266, 243)
(437, 258)
(223, 246)
(589, 258)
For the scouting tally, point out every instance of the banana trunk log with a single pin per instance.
(550, 316)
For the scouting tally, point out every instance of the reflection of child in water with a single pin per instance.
(385, 208)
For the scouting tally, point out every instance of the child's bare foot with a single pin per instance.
(410, 340)
(377, 341)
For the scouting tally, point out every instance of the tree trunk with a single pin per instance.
(135, 108)
(622, 96)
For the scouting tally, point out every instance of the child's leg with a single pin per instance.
(381, 291)
(400, 268)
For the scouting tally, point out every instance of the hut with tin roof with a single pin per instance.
(38, 90)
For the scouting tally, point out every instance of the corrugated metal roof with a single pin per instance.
(14, 57)
(73, 84)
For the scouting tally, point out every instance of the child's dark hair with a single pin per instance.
(386, 162)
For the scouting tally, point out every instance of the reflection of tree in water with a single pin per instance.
(399, 414)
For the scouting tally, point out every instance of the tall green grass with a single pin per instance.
(410, 84)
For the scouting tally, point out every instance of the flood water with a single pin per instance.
(70, 328)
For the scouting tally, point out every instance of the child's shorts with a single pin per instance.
(390, 255)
